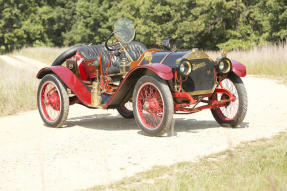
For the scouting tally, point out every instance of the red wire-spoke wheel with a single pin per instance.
(126, 110)
(233, 112)
(153, 105)
(50, 101)
(53, 101)
(150, 105)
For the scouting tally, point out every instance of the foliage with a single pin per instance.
(208, 24)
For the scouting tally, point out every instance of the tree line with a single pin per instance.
(208, 24)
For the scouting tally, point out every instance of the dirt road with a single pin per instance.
(98, 146)
(23, 62)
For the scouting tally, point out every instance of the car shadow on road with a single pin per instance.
(109, 122)
(195, 126)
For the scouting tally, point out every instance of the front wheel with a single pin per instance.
(233, 113)
(53, 101)
(152, 105)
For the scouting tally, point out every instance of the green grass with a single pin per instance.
(44, 54)
(258, 165)
(18, 89)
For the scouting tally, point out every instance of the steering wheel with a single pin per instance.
(113, 46)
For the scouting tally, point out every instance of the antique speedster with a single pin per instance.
(156, 82)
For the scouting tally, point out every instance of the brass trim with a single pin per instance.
(126, 52)
(228, 68)
(223, 53)
(148, 57)
(198, 66)
(189, 67)
(195, 54)
(96, 99)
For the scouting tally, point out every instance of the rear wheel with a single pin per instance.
(233, 113)
(152, 105)
(126, 110)
(53, 101)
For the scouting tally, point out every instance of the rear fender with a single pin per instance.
(125, 90)
(238, 68)
(70, 80)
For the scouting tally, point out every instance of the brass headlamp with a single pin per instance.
(184, 67)
(223, 65)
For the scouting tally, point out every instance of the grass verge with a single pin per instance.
(257, 165)
(269, 61)
(18, 89)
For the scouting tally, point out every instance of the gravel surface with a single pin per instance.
(99, 146)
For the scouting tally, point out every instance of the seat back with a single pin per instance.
(92, 52)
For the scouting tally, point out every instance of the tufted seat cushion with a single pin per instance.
(92, 52)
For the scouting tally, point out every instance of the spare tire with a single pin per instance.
(65, 55)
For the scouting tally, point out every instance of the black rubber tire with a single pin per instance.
(125, 113)
(65, 55)
(167, 100)
(64, 103)
(243, 103)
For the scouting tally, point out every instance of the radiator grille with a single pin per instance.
(201, 80)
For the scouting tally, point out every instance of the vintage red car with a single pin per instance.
(157, 82)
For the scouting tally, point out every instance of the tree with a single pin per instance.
(205, 24)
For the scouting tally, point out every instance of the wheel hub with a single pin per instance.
(54, 101)
(152, 105)
(225, 97)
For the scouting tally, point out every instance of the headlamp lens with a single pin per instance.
(185, 68)
(224, 65)
(221, 66)
(182, 68)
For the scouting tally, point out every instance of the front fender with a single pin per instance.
(124, 91)
(163, 71)
(70, 80)
(238, 68)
